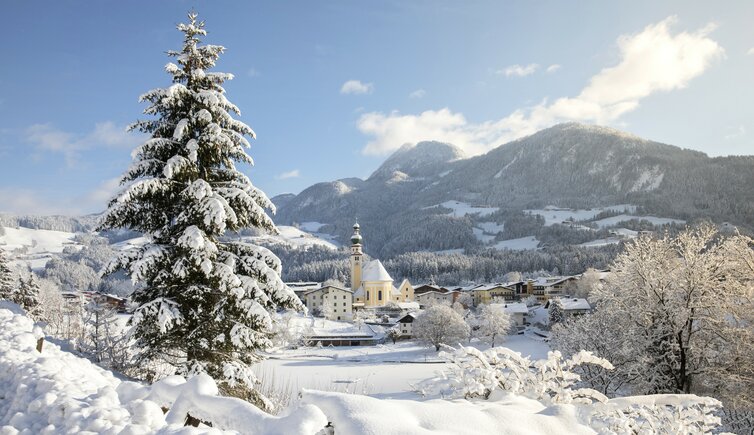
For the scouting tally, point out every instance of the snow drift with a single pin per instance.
(55, 392)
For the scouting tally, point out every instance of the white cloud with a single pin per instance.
(45, 137)
(356, 87)
(751, 51)
(653, 60)
(25, 201)
(419, 93)
(519, 70)
(290, 174)
(103, 193)
(30, 201)
(552, 68)
(253, 72)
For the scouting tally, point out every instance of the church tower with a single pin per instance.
(357, 256)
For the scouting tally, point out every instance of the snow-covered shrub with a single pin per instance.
(104, 340)
(531, 301)
(393, 334)
(660, 413)
(289, 331)
(476, 373)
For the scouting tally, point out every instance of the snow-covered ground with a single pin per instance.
(615, 220)
(460, 209)
(35, 247)
(601, 242)
(520, 244)
(491, 227)
(482, 236)
(56, 392)
(296, 237)
(383, 371)
(555, 215)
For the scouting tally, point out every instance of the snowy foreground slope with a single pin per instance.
(56, 392)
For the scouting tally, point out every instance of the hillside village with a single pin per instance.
(377, 301)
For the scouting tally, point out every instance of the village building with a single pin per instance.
(300, 288)
(363, 336)
(405, 325)
(518, 312)
(331, 302)
(544, 288)
(430, 294)
(573, 306)
(491, 293)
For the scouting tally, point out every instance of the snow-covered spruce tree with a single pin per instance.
(556, 314)
(204, 303)
(7, 282)
(27, 296)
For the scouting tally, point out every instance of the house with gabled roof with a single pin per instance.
(331, 302)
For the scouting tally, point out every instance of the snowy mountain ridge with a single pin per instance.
(569, 165)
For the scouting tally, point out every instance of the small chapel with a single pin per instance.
(372, 285)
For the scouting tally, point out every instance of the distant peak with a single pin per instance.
(590, 128)
(414, 159)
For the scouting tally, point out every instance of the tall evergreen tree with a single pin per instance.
(204, 302)
(7, 283)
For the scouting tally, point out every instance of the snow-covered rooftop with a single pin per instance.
(375, 271)
(515, 308)
(575, 304)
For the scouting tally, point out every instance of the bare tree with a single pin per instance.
(440, 324)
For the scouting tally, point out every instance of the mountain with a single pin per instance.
(418, 160)
(430, 197)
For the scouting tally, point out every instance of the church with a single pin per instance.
(372, 285)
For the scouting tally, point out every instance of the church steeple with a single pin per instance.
(356, 257)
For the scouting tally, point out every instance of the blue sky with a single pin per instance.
(332, 87)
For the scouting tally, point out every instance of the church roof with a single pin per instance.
(375, 271)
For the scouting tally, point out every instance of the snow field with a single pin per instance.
(38, 245)
(384, 371)
(297, 238)
(554, 215)
(615, 220)
(460, 209)
(520, 244)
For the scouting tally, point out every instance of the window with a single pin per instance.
(379, 295)
(344, 296)
(367, 294)
(335, 304)
(344, 304)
